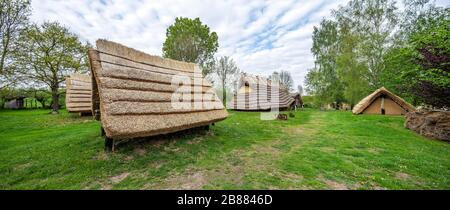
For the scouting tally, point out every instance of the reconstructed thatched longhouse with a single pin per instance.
(382, 102)
(257, 94)
(79, 93)
(140, 95)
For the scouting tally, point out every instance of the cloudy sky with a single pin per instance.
(261, 36)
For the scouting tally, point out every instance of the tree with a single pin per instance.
(48, 54)
(416, 16)
(226, 71)
(42, 96)
(429, 57)
(286, 79)
(275, 77)
(323, 80)
(13, 19)
(300, 89)
(417, 67)
(351, 72)
(366, 45)
(374, 22)
(191, 41)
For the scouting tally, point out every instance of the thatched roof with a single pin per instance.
(259, 96)
(136, 96)
(298, 98)
(20, 97)
(365, 102)
(79, 93)
(295, 95)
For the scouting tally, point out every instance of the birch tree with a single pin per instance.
(226, 71)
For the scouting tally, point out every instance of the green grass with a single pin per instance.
(314, 150)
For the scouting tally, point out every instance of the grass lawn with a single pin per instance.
(314, 150)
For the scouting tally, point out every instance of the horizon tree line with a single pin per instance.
(369, 44)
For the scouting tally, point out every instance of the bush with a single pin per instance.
(291, 114)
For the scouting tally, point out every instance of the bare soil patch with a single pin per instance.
(139, 151)
(402, 176)
(119, 178)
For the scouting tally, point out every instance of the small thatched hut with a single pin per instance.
(298, 100)
(383, 102)
(139, 95)
(259, 94)
(15, 102)
(79, 93)
(337, 106)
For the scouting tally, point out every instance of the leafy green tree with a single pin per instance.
(14, 15)
(48, 54)
(369, 44)
(374, 23)
(227, 72)
(421, 67)
(416, 16)
(416, 67)
(323, 80)
(350, 70)
(42, 96)
(191, 41)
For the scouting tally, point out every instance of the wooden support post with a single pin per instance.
(96, 114)
(109, 144)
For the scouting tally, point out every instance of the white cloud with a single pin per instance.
(261, 36)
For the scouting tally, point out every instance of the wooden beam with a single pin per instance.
(109, 144)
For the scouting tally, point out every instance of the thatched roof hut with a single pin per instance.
(15, 102)
(258, 93)
(298, 99)
(383, 102)
(79, 93)
(140, 95)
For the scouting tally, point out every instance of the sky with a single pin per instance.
(260, 36)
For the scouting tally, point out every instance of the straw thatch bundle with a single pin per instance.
(136, 96)
(382, 99)
(78, 93)
(255, 93)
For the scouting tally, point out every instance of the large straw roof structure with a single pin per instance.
(255, 93)
(79, 93)
(368, 100)
(135, 96)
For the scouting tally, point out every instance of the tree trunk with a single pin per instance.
(55, 100)
(224, 95)
(2, 103)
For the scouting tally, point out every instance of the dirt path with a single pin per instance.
(249, 166)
